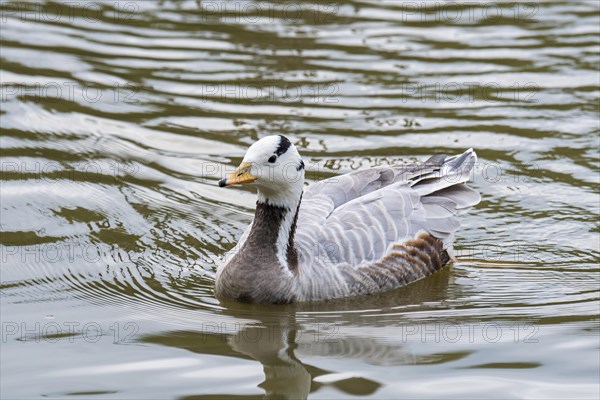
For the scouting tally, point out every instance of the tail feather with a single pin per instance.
(454, 170)
(463, 196)
(445, 195)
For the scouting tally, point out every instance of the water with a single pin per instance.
(118, 119)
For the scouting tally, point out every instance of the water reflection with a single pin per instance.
(279, 347)
(126, 183)
(281, 337)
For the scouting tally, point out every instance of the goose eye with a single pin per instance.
(272, 159)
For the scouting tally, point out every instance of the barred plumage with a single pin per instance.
(364, 232)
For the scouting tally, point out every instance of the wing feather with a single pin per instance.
(358, 217)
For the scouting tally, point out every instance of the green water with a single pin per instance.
(119, 118)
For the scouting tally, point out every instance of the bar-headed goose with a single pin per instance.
(363, 232)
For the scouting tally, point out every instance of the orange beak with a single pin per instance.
(240, 175)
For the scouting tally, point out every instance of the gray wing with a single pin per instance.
(322, 198)
(359, 217)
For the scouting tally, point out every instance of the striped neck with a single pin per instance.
(273, 232)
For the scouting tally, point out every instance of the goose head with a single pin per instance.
(275, 167)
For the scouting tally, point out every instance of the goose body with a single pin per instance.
(364, 232)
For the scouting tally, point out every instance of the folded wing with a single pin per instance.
(357, 218)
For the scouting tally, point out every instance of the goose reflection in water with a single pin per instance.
(283, 336)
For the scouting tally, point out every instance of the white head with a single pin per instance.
(274, 165)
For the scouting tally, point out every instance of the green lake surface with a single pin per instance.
(118, 118)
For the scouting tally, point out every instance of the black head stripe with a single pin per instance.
(284, 144)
